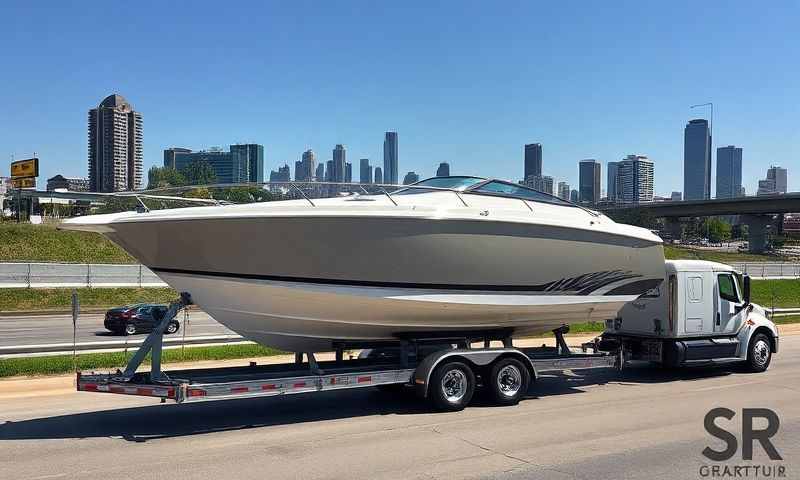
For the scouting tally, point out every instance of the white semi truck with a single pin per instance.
(701, 314)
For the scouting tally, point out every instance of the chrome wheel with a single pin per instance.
(454, 385)
(761, 352)
(509, 380)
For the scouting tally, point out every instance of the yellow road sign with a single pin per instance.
(28, 182)
(25, 168)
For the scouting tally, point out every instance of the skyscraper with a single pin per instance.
(305, 169)
(774, 183)
(697, 160)
(589, 181)
(339, 163)
(282, 175)
(563, 190)
(729, 172)
(229, 167)
(542, 183)
(443, 170)
(612, 188)
(348, 172)
(390, 161)
(253, 157)
(533, 160)
(635, 173)
(573, 196)
(365, 171)
(378, 175)
(329, 171)
(319, 174)
(410, 178)
(115, 146)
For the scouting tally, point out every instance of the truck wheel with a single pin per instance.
(451, 387)
(759, 353)
(508, 381)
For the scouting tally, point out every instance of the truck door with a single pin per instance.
(698, 306)
(729, 315)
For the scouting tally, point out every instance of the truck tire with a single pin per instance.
(451, 386)
(759, 353)
(508, 381)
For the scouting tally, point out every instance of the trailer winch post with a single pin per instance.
(154, 341)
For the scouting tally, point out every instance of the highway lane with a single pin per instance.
(641, 423)
(48, 329)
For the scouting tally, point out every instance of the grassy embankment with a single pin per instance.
(43, 243)
(674, 252)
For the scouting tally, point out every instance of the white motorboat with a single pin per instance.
(453, 254)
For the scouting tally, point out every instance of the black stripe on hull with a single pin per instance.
(583, 285)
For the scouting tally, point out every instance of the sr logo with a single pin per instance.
(749, 433)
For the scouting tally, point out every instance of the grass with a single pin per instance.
(12, 299)
(43, 243)
(778, 293)
(674, 252)
(787, 319)
(52, 365)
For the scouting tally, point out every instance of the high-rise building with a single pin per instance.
(319, 174)
(329, 171)
(612, 182)
(729, 172)
(339, 163)
(574, 196)
(253, 156)
(378, 175)
(282, 175)
(305, 169)
(410, 178)
(775, 182)
(443, 170)
(71, 184)
(229, 167)
(348, 172)
(589, 181)
(390, 161)
(563, 190)
(115, 146)
(533, 160)
(635, 174)
(697, 160)
(365, 171)
(169, 156)
(676, 196)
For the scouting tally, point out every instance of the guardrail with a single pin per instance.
(769, 269)
(66, 275)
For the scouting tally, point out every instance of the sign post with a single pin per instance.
(76, 309)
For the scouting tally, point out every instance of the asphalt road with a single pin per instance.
(641, 423)
(49, 329)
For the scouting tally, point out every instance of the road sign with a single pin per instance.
(25, 168)
(27, 182)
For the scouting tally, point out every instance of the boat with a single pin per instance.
(447, 254)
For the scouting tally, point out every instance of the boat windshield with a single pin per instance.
(508, 189)
(451, 183)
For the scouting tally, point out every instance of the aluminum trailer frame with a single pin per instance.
(411, 361)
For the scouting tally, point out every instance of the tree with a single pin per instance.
(199, 172)
(244, 195)
(163, 177)
(718, 230)
(201, 192)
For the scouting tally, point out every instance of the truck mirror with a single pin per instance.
(746, 290)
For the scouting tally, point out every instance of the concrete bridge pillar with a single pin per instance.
(757, 231)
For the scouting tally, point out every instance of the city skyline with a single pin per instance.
(478, 119)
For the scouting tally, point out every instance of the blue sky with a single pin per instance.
(463, 82)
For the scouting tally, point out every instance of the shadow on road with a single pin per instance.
(140, 424)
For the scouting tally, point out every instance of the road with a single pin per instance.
(49, 329)
(641, 423)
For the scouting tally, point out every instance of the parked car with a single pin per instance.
(138, 318)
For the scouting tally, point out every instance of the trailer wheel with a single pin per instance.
(759, 353)
(508, 381)
(451, 386)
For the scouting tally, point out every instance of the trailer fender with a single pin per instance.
(475, 358)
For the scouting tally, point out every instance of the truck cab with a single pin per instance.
(700, 313)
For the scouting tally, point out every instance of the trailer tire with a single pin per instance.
(508, 381)
(451, 387)
(759, 353)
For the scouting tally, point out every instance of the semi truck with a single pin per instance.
(700, 315)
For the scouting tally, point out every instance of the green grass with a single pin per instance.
(674, 252)
(12, 299)
(587, 327)
(52, 365)
(788, 319)
(778, 293)
(43, 243)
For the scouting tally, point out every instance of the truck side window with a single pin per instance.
(727, 289)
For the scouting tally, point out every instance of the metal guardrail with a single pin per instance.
(70, 275)
(769, 269)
